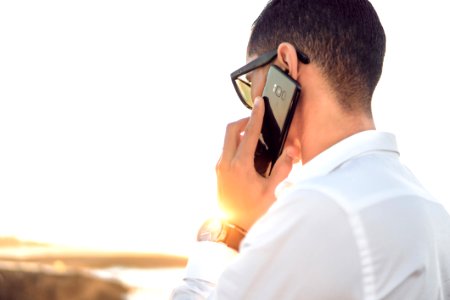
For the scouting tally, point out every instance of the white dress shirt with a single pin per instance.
(353, 223)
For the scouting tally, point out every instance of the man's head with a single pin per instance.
(344, 38)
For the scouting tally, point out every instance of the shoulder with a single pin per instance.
(363, 182)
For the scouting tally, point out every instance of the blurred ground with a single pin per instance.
(35, 271)
(25, 285)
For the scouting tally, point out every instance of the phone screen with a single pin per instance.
(281, 94)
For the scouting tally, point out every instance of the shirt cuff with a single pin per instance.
(208, 260)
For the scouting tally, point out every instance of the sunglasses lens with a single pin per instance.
(245, 90)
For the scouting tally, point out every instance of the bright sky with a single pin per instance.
(112, 113)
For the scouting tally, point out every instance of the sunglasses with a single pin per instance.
(243, 87)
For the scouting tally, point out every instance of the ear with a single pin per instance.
(287, 59)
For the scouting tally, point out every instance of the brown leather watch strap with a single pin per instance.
(234, 235)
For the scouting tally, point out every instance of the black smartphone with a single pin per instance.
(281, 95)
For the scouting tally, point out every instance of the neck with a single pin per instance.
(320, 119)
(334, 127)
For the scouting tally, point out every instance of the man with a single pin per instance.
(350, 223)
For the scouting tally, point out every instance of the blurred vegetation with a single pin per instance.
(24, 285)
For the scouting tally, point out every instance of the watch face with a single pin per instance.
(210, 231)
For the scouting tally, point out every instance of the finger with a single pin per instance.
(252, 132)
(283, 166)
(232, 139)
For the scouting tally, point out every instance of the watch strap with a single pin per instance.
(221, 231)
(234, 235)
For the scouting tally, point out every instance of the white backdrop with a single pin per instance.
(112, 113)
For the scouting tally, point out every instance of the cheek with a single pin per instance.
(258, 82)
(257, 88)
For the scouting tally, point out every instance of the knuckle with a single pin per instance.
(231, 126)
(221, 167)
(218, 168)
(239, 167)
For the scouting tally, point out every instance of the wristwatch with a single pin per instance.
(220, 231)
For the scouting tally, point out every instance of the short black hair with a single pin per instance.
(344, 38)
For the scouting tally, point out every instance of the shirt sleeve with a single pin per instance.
(205, 264)
(303, 248)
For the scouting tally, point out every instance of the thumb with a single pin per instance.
(283, 166)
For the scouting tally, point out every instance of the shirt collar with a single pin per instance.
(336, 155)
